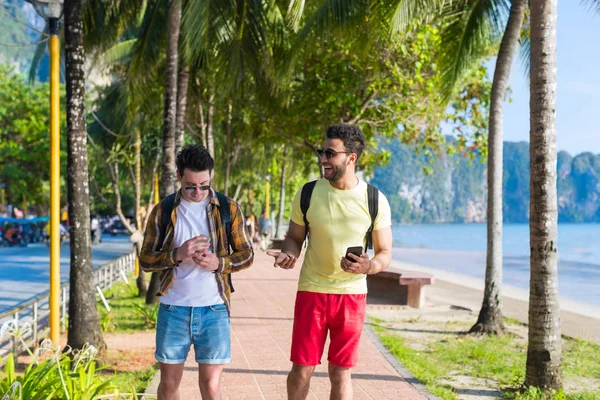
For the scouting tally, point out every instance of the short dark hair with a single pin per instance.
(350, 135)
(195, 158)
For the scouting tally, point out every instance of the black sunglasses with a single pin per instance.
(192, 189)
(331, 153)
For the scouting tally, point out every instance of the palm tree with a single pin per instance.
(472, 27)
(544, 346)
(84, 324)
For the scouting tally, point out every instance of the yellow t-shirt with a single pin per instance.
(337, 219)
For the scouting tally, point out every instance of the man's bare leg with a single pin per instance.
(298, 381)
(341, 382)
(170, 378)
(209, 380)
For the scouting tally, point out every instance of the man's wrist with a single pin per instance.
(370, 267)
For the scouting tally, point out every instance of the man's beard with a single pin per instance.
(338, 172)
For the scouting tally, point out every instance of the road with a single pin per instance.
(24, 271)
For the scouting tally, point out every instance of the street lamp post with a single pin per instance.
(268, 196)
(51, 10)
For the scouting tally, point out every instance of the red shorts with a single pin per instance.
(343, 315)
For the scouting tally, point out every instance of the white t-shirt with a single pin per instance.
(193, 286)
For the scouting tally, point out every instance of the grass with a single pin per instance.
(498, 358)
(129, 313)
(135, 381)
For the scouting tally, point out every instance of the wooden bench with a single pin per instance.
(412, 285)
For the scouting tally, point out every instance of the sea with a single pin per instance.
(460, 248)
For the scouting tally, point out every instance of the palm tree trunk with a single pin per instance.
(228, 156)
(168, 177)
(140, 281)
(182, 91)
(281, 193)
(544, 346)
(490, 316)
(84, 326)
(210, 139)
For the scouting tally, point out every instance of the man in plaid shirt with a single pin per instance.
(191, 254)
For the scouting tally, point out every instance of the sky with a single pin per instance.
(578, 96)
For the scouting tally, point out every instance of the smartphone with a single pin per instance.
(356, 250)
(203, 239)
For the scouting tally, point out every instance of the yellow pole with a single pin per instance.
(54, 187)
(267, 197)
(156, 194)
(4, 200)
(24, 206)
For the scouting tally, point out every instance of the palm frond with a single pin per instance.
(151, 39)
(120, 52)
(397, 15)
(38, 55)
(469, 31)
(294, 14)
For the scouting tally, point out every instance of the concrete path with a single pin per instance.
(262, 318)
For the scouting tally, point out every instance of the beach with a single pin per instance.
(578, 319)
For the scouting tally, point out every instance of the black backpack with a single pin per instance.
(224, 211)
(372, 197)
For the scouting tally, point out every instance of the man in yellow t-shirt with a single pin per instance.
(332, 290)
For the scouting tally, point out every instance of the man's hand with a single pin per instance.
(207, 260)
(283, 260)
(191, 247)
(361, 265)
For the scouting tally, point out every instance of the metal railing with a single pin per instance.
(35, 311)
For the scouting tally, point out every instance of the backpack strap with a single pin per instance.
(373, 199)
(225, 213)
(165, 217)
(226, 221)
(305, 196)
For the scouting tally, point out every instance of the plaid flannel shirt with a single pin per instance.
(159, 257)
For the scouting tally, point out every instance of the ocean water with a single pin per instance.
(461, 249)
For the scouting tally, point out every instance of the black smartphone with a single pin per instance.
(356, 250)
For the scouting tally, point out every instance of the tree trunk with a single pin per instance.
(140, 281)
(228, 155)
(210, 139)
(544, 346)
(84, 326)
(281, 194)
(168, 177)
(182, 91)
(490, 316)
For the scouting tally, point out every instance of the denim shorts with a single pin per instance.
(207, 328)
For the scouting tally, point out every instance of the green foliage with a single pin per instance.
(66, 375)
(24, 140)
(128, 312)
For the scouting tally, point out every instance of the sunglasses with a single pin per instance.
(192, 189)
(331, 153)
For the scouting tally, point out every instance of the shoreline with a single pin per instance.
(578, 320)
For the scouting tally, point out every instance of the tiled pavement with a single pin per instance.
(262, 316)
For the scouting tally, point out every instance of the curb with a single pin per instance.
(152, 389)
(401, 369)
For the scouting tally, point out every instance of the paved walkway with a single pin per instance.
(262, 317)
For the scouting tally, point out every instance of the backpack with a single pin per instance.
(225, 212)
(372, 197)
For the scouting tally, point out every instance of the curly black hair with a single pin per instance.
(195, 158)
(350, 135)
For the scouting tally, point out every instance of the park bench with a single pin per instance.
(411, 290)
